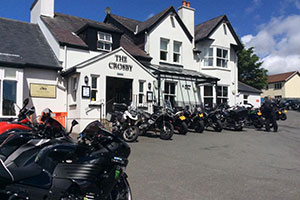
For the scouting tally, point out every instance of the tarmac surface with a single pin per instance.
(229, 165)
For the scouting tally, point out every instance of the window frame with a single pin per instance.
(277, 86)
(223, 98)
(104, 41)
(163, 50)
(207, 56)
(245, 99)
(141, 92)
(94, 89)
(169, 95)
(224, 60)
(206, 97)
(177, 53)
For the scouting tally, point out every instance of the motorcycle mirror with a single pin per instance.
(74, 123)
(25, 102)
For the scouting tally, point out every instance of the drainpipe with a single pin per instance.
(159, 89)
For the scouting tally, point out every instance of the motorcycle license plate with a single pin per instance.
(259, 114)
(285, 111)
(280, 113)
(182, 118)
(201, 115)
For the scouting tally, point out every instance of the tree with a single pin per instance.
(250, 70)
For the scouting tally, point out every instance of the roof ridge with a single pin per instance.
(221, 16)
(126, 18)
(92, 20)
(14, 20)
(284, 73)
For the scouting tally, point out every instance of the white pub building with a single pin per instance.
(143, 62)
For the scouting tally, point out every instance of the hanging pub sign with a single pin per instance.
(42, 90)
(120, 64)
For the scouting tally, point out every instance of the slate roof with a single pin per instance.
(205, 29)
(281, 77)
(23, 44)
(242, 87)
(63, 27)
(132, 25)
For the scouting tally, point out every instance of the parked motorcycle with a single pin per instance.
(195, 119)
(161, 119)
(93, 168)
(180, 121)
(212, 118)
(254, 117)
(233, 117)
(124, 120)
(21, 124)
(280, 113)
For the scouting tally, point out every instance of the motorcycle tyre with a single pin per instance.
(199, 127)
(218, 126)
(163, 134)
(135, 136)
(183, 129)
(123, 181)
(283, 117)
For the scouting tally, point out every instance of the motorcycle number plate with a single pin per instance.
(259, 113)
(200, 115)
(285, 111)
(182, 118)
(280, 113)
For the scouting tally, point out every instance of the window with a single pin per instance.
(164, 43)
(246, 99)
(9, 98)
(208, 96)
(222, 57)
(224, 28)
(176, 51)
(74, 84)
(208, 56)
(278, 97)
(141, 91)
(278, 86)
(104, 41)
(94, 88)
(170, 92)
(222, 94)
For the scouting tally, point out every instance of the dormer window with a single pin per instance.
(104, 41)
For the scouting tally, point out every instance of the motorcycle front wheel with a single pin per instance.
(121, 190)
(166, 131)
(199, 127)
(131, 134)
(283, 117)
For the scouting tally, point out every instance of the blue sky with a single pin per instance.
(271, 26)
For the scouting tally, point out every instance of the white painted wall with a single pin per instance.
(170, 29)
(253, 99)
(101, 68)
(45, 76)
(228, 76)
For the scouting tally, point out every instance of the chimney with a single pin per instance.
(41, 7)
(187, 14)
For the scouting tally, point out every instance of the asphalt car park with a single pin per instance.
(250, 164)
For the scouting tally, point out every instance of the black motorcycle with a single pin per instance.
(194, 120)
(254, 117)
(93, 168)
(212, 118)
(180, 121)
(233, 117)
(124, 119)
(161, 119)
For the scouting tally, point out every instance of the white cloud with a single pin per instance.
(277, 44)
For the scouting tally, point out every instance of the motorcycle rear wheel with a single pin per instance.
(283, 117)
(166, 131)
(121, 190)
(218, 126)
(183, 128)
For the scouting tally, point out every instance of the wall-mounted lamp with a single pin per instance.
(86, 80)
